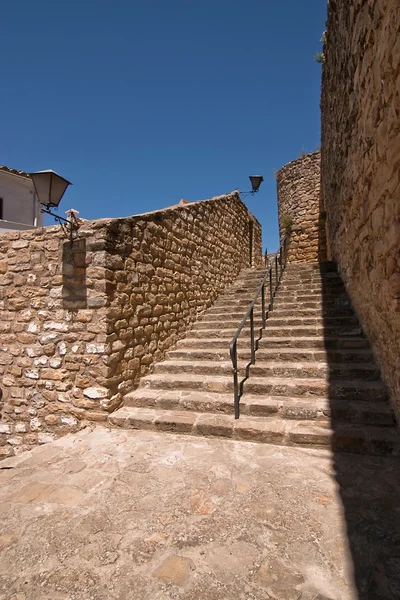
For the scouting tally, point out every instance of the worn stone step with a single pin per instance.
(289, 284)
(246, 282)
(242, 291)
(227, 323)
(272, 386)
(314, 342)
(234, 307)
(285, 303)
(313, 280)
(321, 284)
(324, 267)
(281, 331)
(322, 370)
(212, 342)
(334, 301)
(235, 316)
(305, 276)
(359, 439)
(352, 389)
(221, 353)
(303, 408)
(310, 330)
(216, 314)
(310, 312)
(312, 409)
(310, 296)
(218, 333)
(276, 319)
(229, 310)
(320, 342)
(307, 369)
(313, 292)
(234, 300)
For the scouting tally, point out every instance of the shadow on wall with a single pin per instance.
(74, 288)
(369, 485)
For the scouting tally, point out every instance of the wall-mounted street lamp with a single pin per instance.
(50, 188)
(256, 181)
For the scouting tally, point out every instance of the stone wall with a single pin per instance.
(300, 213)
(361, 166)
(164, 270)
(80, 324)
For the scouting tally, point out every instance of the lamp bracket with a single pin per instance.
(244, 194)
(68, 225)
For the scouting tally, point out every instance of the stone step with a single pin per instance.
(291, 275)
(216, 314)
(277, 355)
(311, 296)
(303, 408)
(318, 330)
(283, 331)
(320, 304)
(290, 284)
(311, 276)
(235, 316)
(320, 284)
(299, 370)
(199, 333)
(229, 309)
(275, 320)
(352, 389)
(349, 438)
(212, 342)
(310, 291)
(317, 282)
(227, 322)
(325, 267)
(314, 342)
(311, 312)
(253, 280)
(273, 386)
(233, 305)
(321, 342)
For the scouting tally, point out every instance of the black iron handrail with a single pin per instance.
(278, 264)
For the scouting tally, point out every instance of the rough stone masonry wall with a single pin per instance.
(52, 336)
(165, 269)
(80, 324)
(361, 166)
(299, 209)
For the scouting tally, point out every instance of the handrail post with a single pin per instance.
(252, 349)
(263, 306)
(271, 296)
(235, 380)
(276, 270)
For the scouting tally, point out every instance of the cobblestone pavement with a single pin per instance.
(109, 514)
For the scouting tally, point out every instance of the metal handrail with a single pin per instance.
(278, 264)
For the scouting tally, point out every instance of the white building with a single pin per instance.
(19, 208)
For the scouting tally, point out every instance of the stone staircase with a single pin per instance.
(314, 383)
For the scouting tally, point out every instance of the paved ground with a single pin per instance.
(144, 515)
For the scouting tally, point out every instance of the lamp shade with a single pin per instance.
(256, 181)
(49, 186)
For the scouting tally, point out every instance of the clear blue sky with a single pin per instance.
(142, 102)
